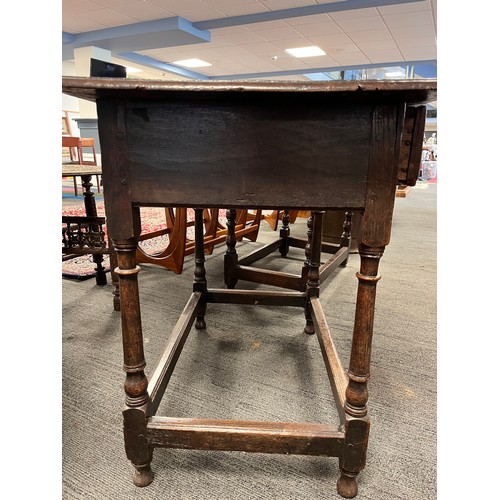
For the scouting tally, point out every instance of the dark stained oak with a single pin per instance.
(278, 146)
(241, 435)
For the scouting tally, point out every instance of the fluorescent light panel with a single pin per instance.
(192, 63)
(306, 51)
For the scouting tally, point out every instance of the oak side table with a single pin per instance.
(316, 146)
(85, 235)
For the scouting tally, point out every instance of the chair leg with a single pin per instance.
(75, 186)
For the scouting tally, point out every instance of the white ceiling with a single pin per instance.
(248, 38)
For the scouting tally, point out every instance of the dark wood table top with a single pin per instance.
(410, 91)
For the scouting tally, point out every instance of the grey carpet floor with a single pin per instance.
(254, 362)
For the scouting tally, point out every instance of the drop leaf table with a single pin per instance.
(342, 145)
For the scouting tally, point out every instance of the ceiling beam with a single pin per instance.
(308, 10)
(150, 62)
(168, 32)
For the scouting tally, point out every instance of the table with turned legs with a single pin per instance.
(317, 146)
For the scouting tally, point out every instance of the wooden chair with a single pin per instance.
(276, 216)
(73, 144)
(77, 155)
(172, 257)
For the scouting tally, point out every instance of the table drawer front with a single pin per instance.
(246, 155)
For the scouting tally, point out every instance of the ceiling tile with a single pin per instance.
(236, 68)
(227, 3)
(419, 53)
(320, 61)
(383, 56)
(104, 3)
(286, 62)
(192, 11)
(219, 41)
(76, 24)
(231, 50)
(268, 66)
(275, 34)
(351, 59)
(404, 7)
(242, 10)
(204, 55)
(338, 38)
(80, 6)
(143, 11)
(229, 29)
(315, 18)
(244, 37)
(413, 32)
(344, 48)
(293, 43)
(361, 24)
(377, 45)
(328, 28)
(408, 19)
(409, 43)
(278, 23)
(403, 30)
(287, 4)
(353, 14)
(109, 18)
(262, 49)
(370, 35)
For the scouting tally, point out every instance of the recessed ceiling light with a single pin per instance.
(306, 51)
(133, 70)
(192, 63)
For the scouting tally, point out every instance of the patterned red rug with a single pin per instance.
(152, 219)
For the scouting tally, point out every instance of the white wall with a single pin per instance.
(70, 103)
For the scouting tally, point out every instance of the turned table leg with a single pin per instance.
(91, 211)
(357, 423)
(313, 256)
(285, 233)
(231, 257)
(200, 277)
(345, 239)
(136, 383)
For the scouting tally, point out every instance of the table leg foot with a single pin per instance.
(347, 486)
(309, 328)
(143, 475)
(100, 275)
(200, 324)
